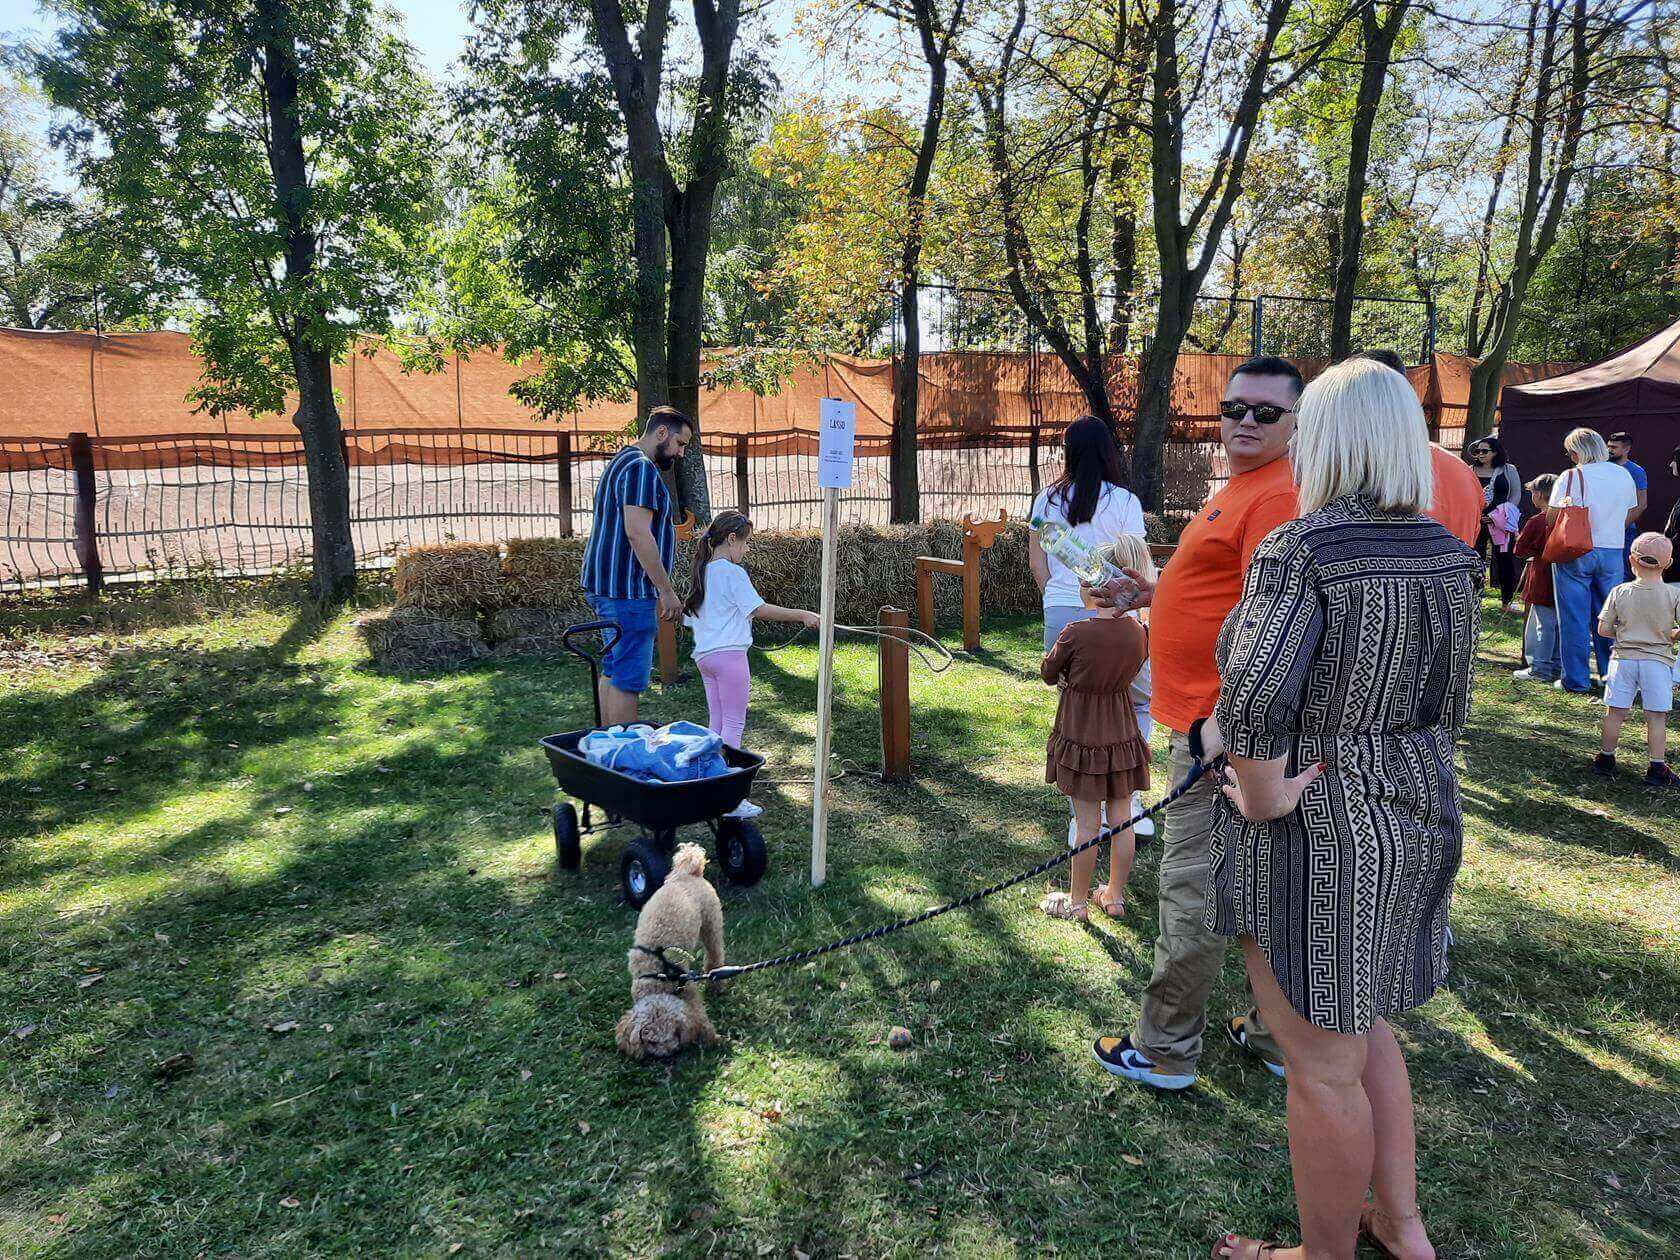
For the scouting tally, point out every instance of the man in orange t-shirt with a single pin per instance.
(1188, 606)
(1197, 589)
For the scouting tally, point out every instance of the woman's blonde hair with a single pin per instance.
(1359, 430)
(1587, 446)
(1131, 552)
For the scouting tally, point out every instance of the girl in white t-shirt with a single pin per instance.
(720, 610)
(1089, 499)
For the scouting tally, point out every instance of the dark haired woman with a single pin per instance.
(1088, 498)
(720, 609)
(1501, 506)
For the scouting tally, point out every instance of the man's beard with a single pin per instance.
(664, 459)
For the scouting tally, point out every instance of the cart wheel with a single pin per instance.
(566, 834)
(741, 851)
(642, 870)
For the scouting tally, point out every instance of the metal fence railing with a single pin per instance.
(88, 509)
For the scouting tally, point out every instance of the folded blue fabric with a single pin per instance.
(677, 753)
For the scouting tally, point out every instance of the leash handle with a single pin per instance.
(1197, 770)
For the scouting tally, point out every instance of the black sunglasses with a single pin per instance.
(1264, 413)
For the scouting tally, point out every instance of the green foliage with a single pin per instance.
(169, 131)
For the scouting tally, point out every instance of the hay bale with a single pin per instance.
(542, 573)
(529, 631)
(412, 638)
(449, 578)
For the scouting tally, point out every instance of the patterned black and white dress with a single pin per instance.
(1353, 645)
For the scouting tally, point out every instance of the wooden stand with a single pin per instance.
(669, 671)
(825, 692)
(978, 536)
(895, 696)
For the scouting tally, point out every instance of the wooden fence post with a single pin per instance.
(563, 444)
(743, 493)
(669, 670)
(1032, 458)
(87, 538)
(895, 696)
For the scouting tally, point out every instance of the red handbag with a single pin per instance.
(1571, 534)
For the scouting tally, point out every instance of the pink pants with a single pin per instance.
(727, 684)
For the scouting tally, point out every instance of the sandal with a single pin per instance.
(1370, 1235)
(1262, 1250)
(1058, 905)
(1115, 909)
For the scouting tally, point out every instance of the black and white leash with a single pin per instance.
(677, 975)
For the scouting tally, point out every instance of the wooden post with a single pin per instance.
(87, 535)
(669, 670)
(743, 494)
(971, 590)
(825, 692)
(924, 597)
(895, 697)
(563, 446)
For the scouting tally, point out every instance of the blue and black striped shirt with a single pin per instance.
(610, 567)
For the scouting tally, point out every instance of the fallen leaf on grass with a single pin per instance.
(55, 1218)
(1612, 1181)
(524, 1074)
(110, 1091)
(282, 809)
(87, 981)
(23, 1033)
(175, 1065)
(453, 1248)
(290, 1202)
(1133, 1160)
(583, 1127)
(314, 974)
(285, 1026)
(53, 1137)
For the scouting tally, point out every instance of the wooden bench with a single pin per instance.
(978, 536)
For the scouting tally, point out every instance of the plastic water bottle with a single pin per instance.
(1081, 559)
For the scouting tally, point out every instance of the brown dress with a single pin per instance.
(1096, 752)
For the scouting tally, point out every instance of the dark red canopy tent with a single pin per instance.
(1636, 390)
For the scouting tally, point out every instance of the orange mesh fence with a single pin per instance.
(455, 456)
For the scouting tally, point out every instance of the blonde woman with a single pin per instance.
(1345, 675)
(1581, 585)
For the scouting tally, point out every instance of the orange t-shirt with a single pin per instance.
(1202, 583)
(1204, 579)
(1458, 496)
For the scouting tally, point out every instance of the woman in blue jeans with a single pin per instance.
(1607, 491)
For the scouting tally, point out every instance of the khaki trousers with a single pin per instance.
(1187, 956)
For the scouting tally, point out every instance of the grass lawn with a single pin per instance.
(222, 835)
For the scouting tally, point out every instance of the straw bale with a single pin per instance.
(530, 631)
(412, 638)
(543, 573)
(449, 578)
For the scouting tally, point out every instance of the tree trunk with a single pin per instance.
(1154, 409)
(1484, 395)
(317, 419)
(904, 475)
(333, 575)
(1378, 37)
(690, 228)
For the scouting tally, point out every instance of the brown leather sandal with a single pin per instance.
(1370, 1235)
(1262, 1250)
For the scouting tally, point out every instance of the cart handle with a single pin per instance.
(611, 632)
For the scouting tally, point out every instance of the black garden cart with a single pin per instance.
(659, 809)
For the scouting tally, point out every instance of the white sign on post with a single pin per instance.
(835, 442)
(837, 434)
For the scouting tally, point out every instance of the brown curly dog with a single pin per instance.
(683, 914)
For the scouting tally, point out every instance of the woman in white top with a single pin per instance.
(1607, 491)
(1088, 498)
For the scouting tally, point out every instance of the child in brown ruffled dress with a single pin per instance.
(1096, 754)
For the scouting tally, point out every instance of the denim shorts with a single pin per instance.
(629, 665)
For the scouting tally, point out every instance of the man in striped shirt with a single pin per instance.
(627, 561)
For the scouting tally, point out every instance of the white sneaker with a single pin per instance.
(746, 809)
(1147, 826)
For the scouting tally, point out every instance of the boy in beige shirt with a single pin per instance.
(1643, 617)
